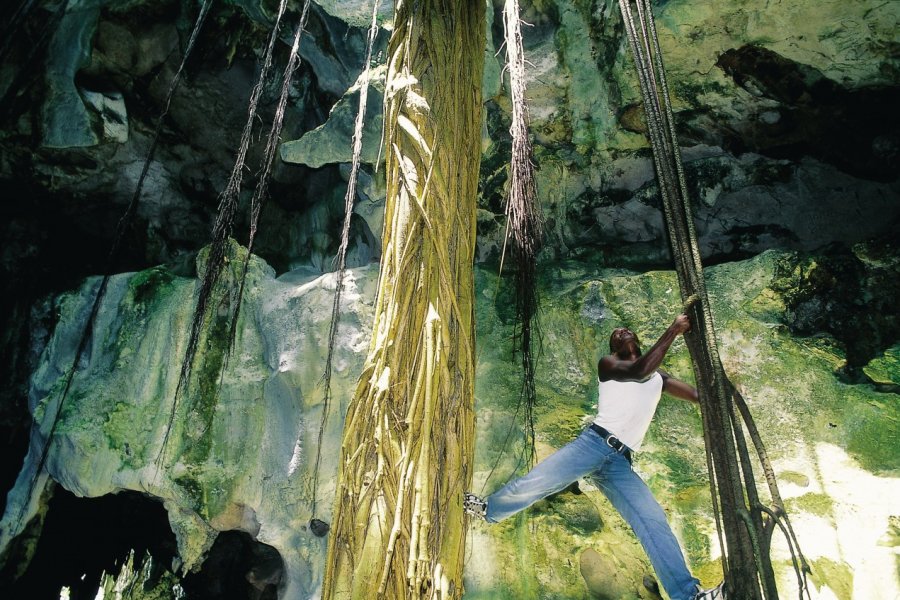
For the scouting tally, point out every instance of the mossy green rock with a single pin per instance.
(244, 431)
(830, 439)
(578, 513)
(240, 456)
(885, 369)
(603, 577)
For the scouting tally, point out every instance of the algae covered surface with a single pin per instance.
(822, 433)
(243, 441)
(243, 428)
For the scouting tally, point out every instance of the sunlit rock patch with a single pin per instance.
(239, 457)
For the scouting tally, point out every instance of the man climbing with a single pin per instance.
(630, 386)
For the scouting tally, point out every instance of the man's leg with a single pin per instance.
(583, 455)
(631, 497)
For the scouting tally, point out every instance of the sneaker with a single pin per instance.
(716, 593)
(474, 506)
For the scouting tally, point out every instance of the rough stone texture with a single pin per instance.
(66, 121)
(603, 575)
(589, 143)
(241, 459)
(138, 582)
(769, 122)
(336, 49)
(784, 109)
(885, 369)
(826, 436)
(787, 115)
(356, 12)
(332, 141)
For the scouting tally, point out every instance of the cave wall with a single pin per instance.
(786, 113)
(239, 457)
(784, 109)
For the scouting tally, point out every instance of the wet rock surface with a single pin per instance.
(240, 459)
(791, 140)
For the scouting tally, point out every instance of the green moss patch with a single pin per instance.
(885, 369)
(836, 575)
(820, 505)
(150, 284)
(793, 477)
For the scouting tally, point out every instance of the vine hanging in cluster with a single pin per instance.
(741, 518)
(523, 227)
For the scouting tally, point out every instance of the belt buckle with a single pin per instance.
(609, 443)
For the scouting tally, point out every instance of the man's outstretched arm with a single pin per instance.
(679, 389)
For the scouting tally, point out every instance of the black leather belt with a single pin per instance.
(612, 441)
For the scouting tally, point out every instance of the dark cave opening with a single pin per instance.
(83, 538)
(237, 568)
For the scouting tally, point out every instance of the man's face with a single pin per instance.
(621, 338)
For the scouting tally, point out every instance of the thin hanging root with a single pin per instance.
(690, 302)
(752, 531)
(523, 224)
(272, 142)
(341, 258)
(221, 232)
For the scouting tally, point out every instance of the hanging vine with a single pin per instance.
(741, 518)
(341, 259)
(524, 226)
(228, 202)
(406, 455)
(260, 194)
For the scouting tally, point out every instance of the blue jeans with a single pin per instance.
(590, 456)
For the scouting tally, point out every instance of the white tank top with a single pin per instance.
(625, 408)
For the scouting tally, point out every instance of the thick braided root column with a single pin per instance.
(406, 457)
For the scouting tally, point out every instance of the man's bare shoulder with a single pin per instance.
(611, 367)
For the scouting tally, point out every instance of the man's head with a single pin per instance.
(624, 342)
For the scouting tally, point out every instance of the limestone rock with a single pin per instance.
(111, 109)
(790, 138)
(332, 141)
(577, 513)
(357, 13)
(812, 421)
(885, 369)
(603, 578)
(808, 114)
(65, 122)
(239, 458)
(338, 49)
